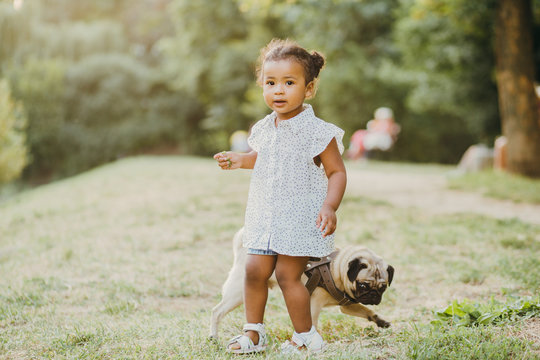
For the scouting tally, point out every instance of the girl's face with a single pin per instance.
(284, 87)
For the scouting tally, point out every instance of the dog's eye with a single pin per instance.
(363, 285)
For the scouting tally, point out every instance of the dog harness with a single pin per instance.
(319, 274)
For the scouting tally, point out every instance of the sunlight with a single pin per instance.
(17, 4)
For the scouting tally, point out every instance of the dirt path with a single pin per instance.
(428, 191)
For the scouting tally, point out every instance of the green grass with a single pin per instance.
(499, 185)
(127, 261)
(460, 343)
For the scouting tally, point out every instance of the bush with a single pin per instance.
(104, 107)
(116, 105)
(39, 85)
(13, 152)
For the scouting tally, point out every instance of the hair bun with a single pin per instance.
(318, 62)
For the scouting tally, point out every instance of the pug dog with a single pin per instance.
(357, 271)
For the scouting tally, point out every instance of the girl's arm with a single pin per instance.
(229, 160)
(337, 180)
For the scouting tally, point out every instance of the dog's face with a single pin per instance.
(367, 277)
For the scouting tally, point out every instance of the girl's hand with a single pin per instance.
(327, 220)
(228, 160)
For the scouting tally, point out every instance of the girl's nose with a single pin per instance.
(279, 89)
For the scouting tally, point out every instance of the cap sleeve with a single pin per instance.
(256, 136)
(324, 134)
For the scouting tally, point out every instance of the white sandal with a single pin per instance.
(246, 344)
(311, 340)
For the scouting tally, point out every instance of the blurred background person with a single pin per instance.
(380, 134)
(382, 131)
(238, 141)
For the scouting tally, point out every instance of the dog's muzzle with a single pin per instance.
(369, 296)
(372, 298)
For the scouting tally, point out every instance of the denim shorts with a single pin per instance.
(252, 251)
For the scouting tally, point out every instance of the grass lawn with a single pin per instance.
(499, 185)
(127, 261)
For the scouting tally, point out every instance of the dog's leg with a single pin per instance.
(316, 305)
(315, 312)
(232, 297)
(232, 292)
(366, 313)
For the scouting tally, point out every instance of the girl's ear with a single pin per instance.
(310, 89)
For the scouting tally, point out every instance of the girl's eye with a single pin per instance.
(289, 82)
(269, 82)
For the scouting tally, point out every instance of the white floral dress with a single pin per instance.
(287, 189)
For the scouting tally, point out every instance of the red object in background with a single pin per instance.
(357, 149)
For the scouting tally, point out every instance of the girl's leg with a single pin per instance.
(259, 268)
(289, 270)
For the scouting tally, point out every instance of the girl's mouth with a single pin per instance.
(279, 102)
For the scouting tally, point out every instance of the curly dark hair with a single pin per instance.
(279, 49)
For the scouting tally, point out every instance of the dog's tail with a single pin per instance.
(238, 239)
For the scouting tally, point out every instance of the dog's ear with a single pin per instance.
(354, 268)
(390, 271)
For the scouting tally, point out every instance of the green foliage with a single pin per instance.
(116, 105)
(56, 11)
(30, 33)
(112, 84)
(474, 330)
(468, 313)
(13, 151)
(15, 30)
(357, 38)
(186, 70)
(88, 100)
(210, 63)
(447, 64)
(98, 109)
(74, 41)
(39, 85)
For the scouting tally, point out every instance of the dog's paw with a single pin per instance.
(212, 339)
(379, 321)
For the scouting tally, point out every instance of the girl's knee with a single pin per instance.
(287, 279)
(289, 271)
(255, 277)
(254, 273)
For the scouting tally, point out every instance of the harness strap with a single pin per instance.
(313, 281)
(319, 275)
(313, 273)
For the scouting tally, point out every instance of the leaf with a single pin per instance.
(467, 313)
(487, 318)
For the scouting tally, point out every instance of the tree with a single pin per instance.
(39, 86)
(515, 80)
(447, 64)
(115, 106)
(210, 63)
(355, 37)
(13, 152)
(15, 29)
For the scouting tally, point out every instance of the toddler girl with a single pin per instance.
(292, 202)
